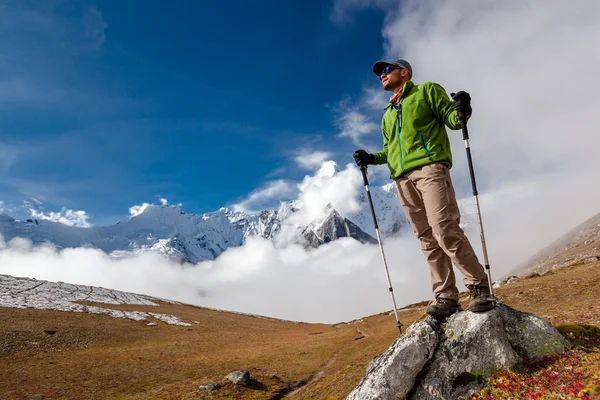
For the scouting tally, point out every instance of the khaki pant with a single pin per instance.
(429, 201)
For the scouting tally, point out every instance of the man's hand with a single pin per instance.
(362, 158)
(462, 104)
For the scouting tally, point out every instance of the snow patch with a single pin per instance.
(43, 295)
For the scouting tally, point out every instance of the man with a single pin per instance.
(416, 149)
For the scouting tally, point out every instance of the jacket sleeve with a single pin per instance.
(441, 105)
(381, 156)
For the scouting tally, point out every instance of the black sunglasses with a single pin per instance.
(389, 68)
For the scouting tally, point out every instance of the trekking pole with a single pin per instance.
(463, 122)
(363, 169)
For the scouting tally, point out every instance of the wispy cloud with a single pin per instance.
(8, 155)
(42, 61)
(375, 98)
(343, 10)
(94, 26)
(311, 160)
(138, 209)
(267, 196)
(77, 218)
(353, 124)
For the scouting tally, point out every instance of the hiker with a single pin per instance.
(417, 151)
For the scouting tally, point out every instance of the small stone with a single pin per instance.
(239, 377)
(211, 386)
(591, 259)
(49, 332)
(152, 324)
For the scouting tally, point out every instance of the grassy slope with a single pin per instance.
(97, 357)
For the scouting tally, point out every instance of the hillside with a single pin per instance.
(49, 354)
(579, 245)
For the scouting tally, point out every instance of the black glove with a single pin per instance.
(362, 158)
(462, 104)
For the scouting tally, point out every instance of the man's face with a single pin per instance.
(393, 77)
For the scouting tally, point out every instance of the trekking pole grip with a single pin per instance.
(463, 123)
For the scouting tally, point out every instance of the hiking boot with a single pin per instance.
(442, 307)
(480, 298)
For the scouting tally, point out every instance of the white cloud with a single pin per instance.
(64, 216)
(312, 160)
(533, 78)
(375, 98)
(340, 281)
(329, 187)
(164, 201)
(268, 195)
(137, 210)
(353, 124)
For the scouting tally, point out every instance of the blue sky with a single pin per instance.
(109, 104)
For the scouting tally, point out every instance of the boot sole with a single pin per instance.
(434, 313)
(482, 307)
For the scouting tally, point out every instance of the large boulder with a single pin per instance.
(395, 370)
(468, 348)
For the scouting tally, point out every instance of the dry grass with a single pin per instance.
(99, 357)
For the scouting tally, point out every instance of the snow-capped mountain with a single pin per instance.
(390, 216)
(169, 230)
(332, 227)
(166, 229)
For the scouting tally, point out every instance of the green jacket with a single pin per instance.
(414, 134)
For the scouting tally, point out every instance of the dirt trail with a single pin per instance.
(313, 378)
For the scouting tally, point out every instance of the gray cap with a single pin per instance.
(380, 65)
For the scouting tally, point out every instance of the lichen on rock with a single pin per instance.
(453, 360)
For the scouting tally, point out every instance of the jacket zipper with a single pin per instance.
(399, 116)
(424, 144)
(399, 124)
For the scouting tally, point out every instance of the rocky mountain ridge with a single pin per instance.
(169, 230)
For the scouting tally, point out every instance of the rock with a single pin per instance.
(590, 260)
(211, 386)
(472, 346)
(392, 374)
(531, 336)
(239, 377)
(454, 360)
(505, 281)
